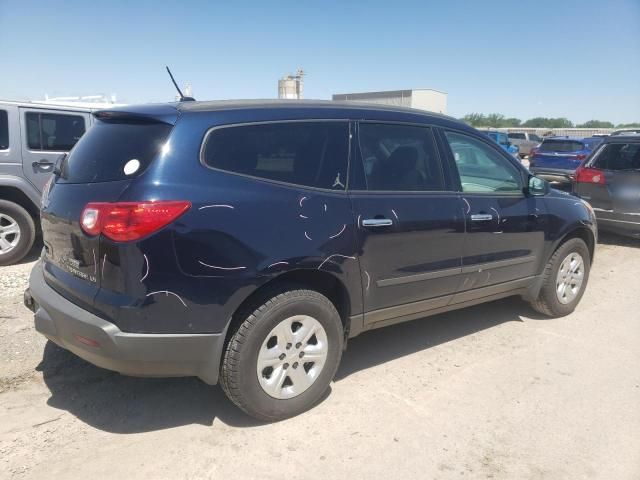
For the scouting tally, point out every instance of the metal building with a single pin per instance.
(291, 86)
(420, 98)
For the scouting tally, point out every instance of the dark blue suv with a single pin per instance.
(245, 242)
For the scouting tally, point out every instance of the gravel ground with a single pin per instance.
(493, 391)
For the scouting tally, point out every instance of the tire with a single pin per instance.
(239, 376)
(548, 301)
(13, 214)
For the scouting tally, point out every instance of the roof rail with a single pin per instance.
(626, 131)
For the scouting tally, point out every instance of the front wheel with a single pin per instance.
(284, 355)
(564, 279)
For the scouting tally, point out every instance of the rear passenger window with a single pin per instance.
(399, 158)
(53, 132)
(4, 130)
(618, 156)
(312, 154)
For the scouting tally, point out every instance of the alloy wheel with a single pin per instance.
(292, 356)
(570, 278)
(9, 233)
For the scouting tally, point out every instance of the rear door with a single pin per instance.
(410, 226)
(46, 134)
(505, 232)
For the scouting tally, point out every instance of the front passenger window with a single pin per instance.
(481, 168)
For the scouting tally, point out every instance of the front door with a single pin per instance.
(505, 228)
(410, 222)
(45, 136)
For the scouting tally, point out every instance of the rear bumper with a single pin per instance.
(105, 345)
(554, 174)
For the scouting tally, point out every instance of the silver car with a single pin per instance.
(524, 141)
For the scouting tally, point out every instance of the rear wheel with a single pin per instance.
(565, 279)
(283, 356)
(17, 232)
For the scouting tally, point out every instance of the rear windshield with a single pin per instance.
(111, 151)
(560, 146)
(519, 136)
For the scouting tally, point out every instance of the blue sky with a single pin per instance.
(579, 59)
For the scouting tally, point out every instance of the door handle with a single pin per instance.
(482, 217)
(377, 222)
(43, 165)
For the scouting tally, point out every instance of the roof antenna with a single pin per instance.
(182, 97)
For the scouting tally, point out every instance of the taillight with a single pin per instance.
(590, 175)
(579, 157)
(90, 219)
(128, 221)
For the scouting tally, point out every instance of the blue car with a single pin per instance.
(245, 242)
(503, 140)
(557, 158)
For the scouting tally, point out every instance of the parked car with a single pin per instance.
(525, 141)
(557, 158)
(502, 140)
(627, 131)
(245, 242)
(610, 180)
(32, 137)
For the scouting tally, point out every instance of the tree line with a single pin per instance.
(496, 120)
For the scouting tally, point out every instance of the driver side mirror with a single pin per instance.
(538, 186)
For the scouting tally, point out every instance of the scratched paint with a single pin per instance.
(167, 293)
(468, 205)
(340, 232)
(220, 268)
(146, 273)
(334, 255)
(217, 206)
(278, 263)
(497, 213)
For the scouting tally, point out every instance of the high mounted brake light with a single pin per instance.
(130, 221)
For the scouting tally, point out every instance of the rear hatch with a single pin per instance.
(562, 154)
(118, 148)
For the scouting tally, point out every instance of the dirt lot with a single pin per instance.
(494, 391)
